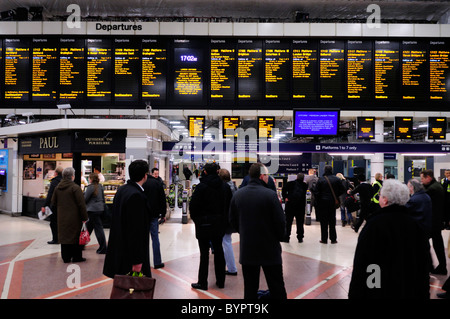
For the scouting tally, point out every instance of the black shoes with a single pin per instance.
(159, 266)
(230, 273)
(443, 295)
(52, 242)
(439, 271)
(199, 286)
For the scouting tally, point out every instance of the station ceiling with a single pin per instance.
(392, 11)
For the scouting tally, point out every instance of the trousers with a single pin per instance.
(274, 279)
(219, 261)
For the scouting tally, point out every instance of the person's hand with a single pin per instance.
(136, 268)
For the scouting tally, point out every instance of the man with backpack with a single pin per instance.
(294, 195)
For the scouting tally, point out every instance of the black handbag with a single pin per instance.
(135, 286)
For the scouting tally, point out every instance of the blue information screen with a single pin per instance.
(316, 123)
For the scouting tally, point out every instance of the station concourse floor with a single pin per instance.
(32, 269)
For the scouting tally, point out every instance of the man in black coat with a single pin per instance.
(365, 191)
(128, 245)
(53, 217)
(437, 195)
(154, 190)
(257, 215)
(326, 207)
(208, 208)
(294, 195)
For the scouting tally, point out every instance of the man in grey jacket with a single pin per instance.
(257, 215)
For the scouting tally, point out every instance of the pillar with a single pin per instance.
(377, 161)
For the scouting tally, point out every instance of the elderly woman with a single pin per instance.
(391, 257)
(71, 210)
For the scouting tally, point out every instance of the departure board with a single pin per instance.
(222, 72)
(387, 70)
(230, 123)
(437, 128)
(196, 126)
(265, 126)
(154, 70)
(126, 69)
(44, 69)
(99, 70)
(332, 69)
(17, 63)
(359, 70)
(71, 69)
(188, 76)
(365, 127)
(414, 70)
(439, 69)
(250, 71)
(304, 70)
(277, 74)
(403, 127)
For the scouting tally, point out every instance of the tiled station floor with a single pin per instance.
(32, 269)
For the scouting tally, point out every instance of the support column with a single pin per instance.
(377, 161)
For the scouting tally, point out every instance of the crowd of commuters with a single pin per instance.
(400, 220)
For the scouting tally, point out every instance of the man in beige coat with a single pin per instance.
(71, 210)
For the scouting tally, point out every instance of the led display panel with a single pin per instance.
(387, 70)
(414, 70)
(17, 70)
(44, 70)
(265, 126)
(230, 123)
(188, 75)
(196, 126)
(126, 69)
(250, 71)
(304, 70)
(365, 128)
(439, 70)
(154, 70)
(277, 70)
(437, 128)
(403, 127)
(316, 122)
(99, 70)
(359, 70)
(332, 69)
(72, 64)
(222, 72)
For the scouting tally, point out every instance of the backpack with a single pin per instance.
(351, 203)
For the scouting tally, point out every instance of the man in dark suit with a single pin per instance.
(326, 207)
(128, 245)
(208, 207)
(257, 215)
(294, 194)
(365, 191)
(53, 219)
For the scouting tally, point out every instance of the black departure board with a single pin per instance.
(365, 127)
(439, 68)
(332, 69)
(250, 71)
(414, 70)
(359, 70)
(304, 70)
(188, 75)
(99, 70)
(126, 69)
(277, 70)
(387, 70)
(437, 128)
(44, 69)
(265, 126)
(403, 127)
(196, 126)
(17, 66)
(154, 70)
(72, 65)
(230, 123)
(222, 72)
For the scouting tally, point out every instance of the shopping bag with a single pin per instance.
(84, 235)
(133, 286)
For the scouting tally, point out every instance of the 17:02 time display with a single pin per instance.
(188, 58)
